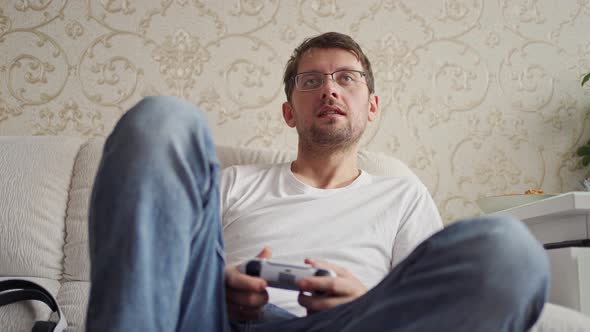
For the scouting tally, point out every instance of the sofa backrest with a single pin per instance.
(35, 183)
(44, 193)
(374, 163)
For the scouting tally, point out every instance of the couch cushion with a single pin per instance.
(34, 186)
(73, 301)
(73, 295)
(374, 163)
(77, 262)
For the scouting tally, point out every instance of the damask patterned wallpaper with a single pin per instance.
(477, 97)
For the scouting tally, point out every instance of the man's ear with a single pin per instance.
(373, 107)
(288, 114)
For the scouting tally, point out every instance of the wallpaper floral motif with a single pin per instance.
(477, 97)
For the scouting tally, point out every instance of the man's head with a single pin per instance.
(324, 41)
(330, 93)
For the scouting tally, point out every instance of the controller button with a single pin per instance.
(322, 273)
(253, 268)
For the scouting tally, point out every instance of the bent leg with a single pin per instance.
(486, 274)
(156, 245)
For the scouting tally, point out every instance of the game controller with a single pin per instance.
(282, 275)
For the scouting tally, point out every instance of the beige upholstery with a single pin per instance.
(34, 187)
(373, 163)
(44, 191)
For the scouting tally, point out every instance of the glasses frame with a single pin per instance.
(362, 73)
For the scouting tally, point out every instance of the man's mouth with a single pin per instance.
(330, 111)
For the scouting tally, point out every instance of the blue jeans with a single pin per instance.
(156, 249)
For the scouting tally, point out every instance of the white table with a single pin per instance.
(562, 224)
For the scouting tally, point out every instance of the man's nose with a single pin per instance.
(330, 88)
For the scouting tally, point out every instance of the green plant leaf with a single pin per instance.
(583, 150)
(586, 161)
(585, 79)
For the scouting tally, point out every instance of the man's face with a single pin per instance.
(332, 115)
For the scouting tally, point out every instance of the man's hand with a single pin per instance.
(245, 295)
(343, 288)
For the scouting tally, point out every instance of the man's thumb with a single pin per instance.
(266, 252)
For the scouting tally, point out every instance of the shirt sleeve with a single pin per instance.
(419, 221)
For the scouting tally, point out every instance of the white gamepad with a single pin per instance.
(281, 275)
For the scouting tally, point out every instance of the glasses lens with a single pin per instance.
(313, 80)
(309, 81)
(346, 77)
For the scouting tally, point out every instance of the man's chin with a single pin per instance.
(332, 138)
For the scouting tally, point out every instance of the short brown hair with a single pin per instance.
(326, 40)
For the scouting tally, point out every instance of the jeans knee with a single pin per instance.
(512, 265)
(515, 245)
(156, 119)
(158, 128)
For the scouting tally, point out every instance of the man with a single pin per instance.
(159, 261)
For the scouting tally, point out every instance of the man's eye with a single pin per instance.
(346, 78)
(310, 81)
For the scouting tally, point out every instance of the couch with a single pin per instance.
(44, 191)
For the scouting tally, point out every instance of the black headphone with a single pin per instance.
(16, 290)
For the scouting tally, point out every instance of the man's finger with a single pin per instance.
(236, 279)
(336, 286)
(266, 253)
(246, 299)
(309, 284)
(339, 270)
(318, 303)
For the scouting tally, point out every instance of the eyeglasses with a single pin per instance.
(313, 80)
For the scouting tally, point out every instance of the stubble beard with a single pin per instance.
(329, 137)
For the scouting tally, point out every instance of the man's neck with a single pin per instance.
(326, 170)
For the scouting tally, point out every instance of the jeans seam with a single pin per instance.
(219, 251)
